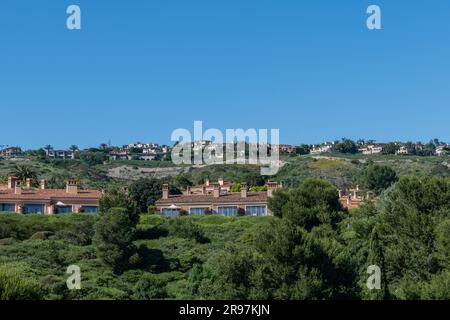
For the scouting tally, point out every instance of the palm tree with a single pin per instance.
(74, 148)
(48, 148)
(23, 173)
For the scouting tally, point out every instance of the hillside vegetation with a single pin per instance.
(310, 249)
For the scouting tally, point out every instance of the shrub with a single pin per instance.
(42, 235)
(151, 209)
(378, 177)
(187, 229)
(150, 286)
(14, 285)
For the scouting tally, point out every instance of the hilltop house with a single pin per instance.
(441, 150)
(11, 153)
(371, 149)
(60, 154)
(14, 198)
(139, 151)
(402, 150)
(324, 148)
(217, 202)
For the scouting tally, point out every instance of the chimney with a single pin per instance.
(28, 183)
(43, 184)
(216, 191)
(207, 182)
(188, 190)
(271, 187)
(244, 190)
(221, 182)
(203, 190)
(72, 187)
(12, 182)
(165, 191)
(17, 188)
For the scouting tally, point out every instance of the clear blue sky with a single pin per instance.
(139, 69)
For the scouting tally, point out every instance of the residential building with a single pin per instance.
(324, 148)
(11, 153)
(402, 150)
(352, 198)
(217, 202)
(60, 154)
(139, 151)
(441, 150)
(371, 149)
(120, 154)
(25, 200)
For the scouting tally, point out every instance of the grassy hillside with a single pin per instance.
(342, 170)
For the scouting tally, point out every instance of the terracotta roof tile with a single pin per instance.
(233, 197)
(48, 194)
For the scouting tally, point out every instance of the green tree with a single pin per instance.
(346, 146)
(23, 172)
(74, 148)
(312, 203)
(254, 179)
(182, 182)
(284, 262)
(113, 239)
(93, 158)
(48, 148)
(410, 226)
(378, 177)
(390, 148)
(302, 149)
(376, 257)
(146, 191)
(117, 197)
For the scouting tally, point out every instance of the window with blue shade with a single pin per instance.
(64, 209)
(7, 207)
(228, 211)
(170, 213)
(33, 208)
(89, 209)
(255, 211)
(197, 211)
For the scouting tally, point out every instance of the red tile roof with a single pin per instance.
(48, 194)
(232, 197)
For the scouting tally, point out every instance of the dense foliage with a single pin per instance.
(311, 249)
